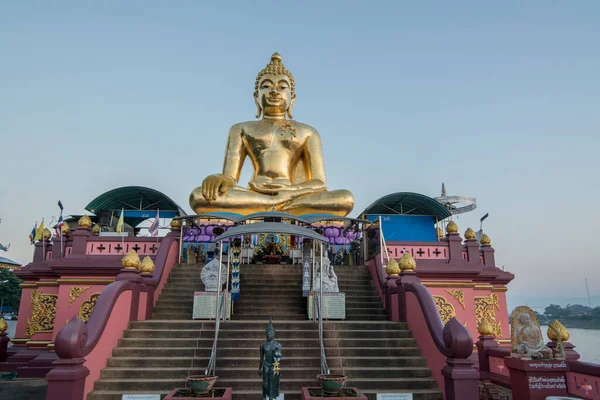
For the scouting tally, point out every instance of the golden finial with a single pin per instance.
(96, 229)
(175, 224)
(47, 234)
(407, 262)
(146, 266)
(275, 67)
(485, 328)
(84, 222)
(3, 325)
(66, 229)
(131, 260)
(485, 240)
(470, 234)
(439, 232)
(556, 328)
(392, 267)
(452, 227)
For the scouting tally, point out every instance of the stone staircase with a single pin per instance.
(155, 356)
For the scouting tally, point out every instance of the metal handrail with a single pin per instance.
(324, 367)
(210, 369)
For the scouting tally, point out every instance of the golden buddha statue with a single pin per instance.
(289, 172)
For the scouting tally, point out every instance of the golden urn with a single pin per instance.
(146, 266)
(439, 232)
(470, 234)
(407, 262)
(84, 222)
(556, 328)
(66, 229)
(485, 240)
(131, 260)
(392, 268)
(96, 230)
(175, 224)
(485, 328)
(47, 234)
(452, 227)
(3, 325)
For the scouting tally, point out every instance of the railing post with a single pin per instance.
(461, 380)
(406, 277)
(390, 282)
(66, 381)
(4, 339)
(485, 343)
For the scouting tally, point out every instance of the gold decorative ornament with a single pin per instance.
(555, 329)
(131, 260)
(47, 234)
(96, 230)
(470, 234)
(485, 240)
(439, 232)
(485, 308)
(75, 292)
(175, 224)
(407, 262)
(43, 312)
(287, 158)
(452, 227)
(445, 309)
(485, 328)
(66, 229)
(146, 266)
(84, 222)
(459, 295)
(3, 325)
(392, 267)
(87, 307)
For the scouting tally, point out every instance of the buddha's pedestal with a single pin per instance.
(537, 379)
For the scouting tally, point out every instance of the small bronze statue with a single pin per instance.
(270, 355)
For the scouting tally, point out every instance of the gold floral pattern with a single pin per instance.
(459, 295)
(445, 309)
(485, 308)
(43, 312)
(87, 307)
(75, 292)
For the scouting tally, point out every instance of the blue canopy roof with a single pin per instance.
(270, 227)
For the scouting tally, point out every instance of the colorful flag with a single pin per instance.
(121, 222)
(33, 233)
(39, 232)
(154, 227)
(59, 226)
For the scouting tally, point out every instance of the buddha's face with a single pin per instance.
(525, 319)
(274, 94)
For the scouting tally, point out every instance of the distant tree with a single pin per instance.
(10, 291)
(554, 311)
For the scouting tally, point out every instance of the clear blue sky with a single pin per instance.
(498, 100)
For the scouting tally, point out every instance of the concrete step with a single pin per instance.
(246, 383)
(241, 325)
(255, 342)
(412, 359)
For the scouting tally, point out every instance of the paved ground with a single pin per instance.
(23, 389)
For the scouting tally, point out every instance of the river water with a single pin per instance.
(585, 340)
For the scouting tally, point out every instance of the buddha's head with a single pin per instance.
(274, 90)
(270, 331)
(525, 318)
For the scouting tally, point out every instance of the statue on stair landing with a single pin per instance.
(268, 369)
(330, 280)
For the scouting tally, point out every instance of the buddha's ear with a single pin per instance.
(289, 110)
(258, 108)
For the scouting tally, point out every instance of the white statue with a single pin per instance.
(330, 281)
(210, 275)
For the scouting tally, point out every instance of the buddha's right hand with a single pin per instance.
(214, 186)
